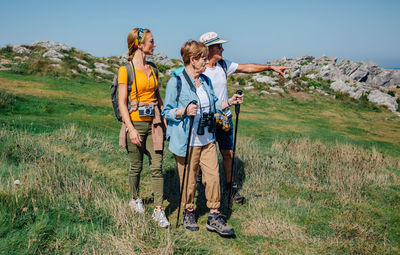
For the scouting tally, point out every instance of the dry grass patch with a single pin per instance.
(37, 89)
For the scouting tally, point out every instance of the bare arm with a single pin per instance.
(123, 109)
(256, 68)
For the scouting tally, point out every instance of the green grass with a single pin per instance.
(321, 177)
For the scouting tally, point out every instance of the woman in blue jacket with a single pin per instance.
(182, 89)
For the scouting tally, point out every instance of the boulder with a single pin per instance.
(381, 98)
(53, 54)
(81, 60)
(84, 68)
(248, 87)
(57, 60)
(280, 90)
(159, 58)
(51, 45)
(265, 79)
(20, 49)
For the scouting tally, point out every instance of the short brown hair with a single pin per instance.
(131, 40)
(193, 49)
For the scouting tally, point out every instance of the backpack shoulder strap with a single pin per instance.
(129, 75)
(205, 77)
(224, 66)
(178, 87)
(155, 69)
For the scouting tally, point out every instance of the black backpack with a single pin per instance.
(130, 78)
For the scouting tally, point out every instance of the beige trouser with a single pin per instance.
(206, 158)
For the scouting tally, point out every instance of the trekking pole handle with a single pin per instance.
(191, 102)
(237, 106)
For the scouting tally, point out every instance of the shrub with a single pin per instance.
(241, 81)
(305, 62)
(392, 93)
(6, 50)
(163, 68)
(6, 99)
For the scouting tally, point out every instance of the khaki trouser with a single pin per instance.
(136, 162)
(206, 158)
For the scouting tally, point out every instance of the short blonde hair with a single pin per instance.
(132, 36)
(193, 49)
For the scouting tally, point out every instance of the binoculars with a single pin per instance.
(207, 119)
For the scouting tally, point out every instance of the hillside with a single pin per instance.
(320, 169)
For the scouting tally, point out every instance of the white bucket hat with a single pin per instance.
(211, 38)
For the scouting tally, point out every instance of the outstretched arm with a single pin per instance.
(256, 68)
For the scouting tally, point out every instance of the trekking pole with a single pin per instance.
(237, 111)
(186, 160)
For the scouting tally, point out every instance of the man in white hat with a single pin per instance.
(218, 70)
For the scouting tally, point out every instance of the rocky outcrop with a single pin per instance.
(353, 77)
(157, 58)
(20, 49)
(57, 46)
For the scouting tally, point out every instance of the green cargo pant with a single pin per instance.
(136, 162)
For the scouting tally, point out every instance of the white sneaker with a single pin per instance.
(137, 205)
(160, 218)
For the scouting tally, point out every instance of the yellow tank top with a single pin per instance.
(146, 87)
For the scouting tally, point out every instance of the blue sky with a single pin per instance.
(258, 31)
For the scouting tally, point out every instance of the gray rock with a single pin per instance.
(289, 84)
(311, 76)
(57, 60)
(51, 45)
(56, 66)
(248, 87)
(277, 89)
(395, 81)
(102, 71)
(81, 60)
(296, 74)
(264, 92)
(84, 68)
(53, 54)
(265, 79)
(380, 98)
(20, 49)
(100, 65)
(361, 73)
(74, 71)
(382, 79)
(159, 58)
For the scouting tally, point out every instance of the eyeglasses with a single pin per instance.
(219, 45)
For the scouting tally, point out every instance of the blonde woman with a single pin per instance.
(143, 121)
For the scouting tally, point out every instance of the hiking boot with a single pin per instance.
(137, 205)
(236, 197)
(189, 220)
(160, 218)
(216, 223)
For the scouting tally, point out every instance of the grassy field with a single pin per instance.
(322, 176)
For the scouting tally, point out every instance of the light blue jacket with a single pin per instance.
(178, 128)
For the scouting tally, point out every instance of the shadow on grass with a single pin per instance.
(172, 194)
(171, 190)
(239, 178)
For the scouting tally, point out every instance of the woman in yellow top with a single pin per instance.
(143, 120)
